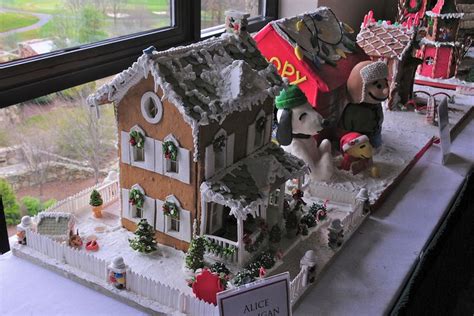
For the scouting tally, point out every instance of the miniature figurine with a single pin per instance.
(336, 234)
(75, 241)
(118, 273)
(357, 154)
(297, 196)
(367, 87)
(298, 122)
(26, 223)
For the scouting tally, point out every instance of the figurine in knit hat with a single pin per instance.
(26, 223)
(298, 123)
(367, 87)
(357, 154)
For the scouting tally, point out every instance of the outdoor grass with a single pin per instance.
(11, 20)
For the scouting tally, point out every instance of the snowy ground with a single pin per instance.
(164, 266)
(404, 134)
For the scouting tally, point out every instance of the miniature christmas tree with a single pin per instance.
(291, 224)
(145, 238)
(195, 254)
(95, 199)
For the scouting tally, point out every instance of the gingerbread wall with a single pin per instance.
(155, 185)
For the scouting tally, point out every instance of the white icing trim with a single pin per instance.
(276, 170)
(453, 15)
(149, 95)
(425, 41)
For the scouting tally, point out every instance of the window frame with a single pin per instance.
(29, 78)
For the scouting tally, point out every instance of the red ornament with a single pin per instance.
(262, 272)
(207, 286)
(132, 141)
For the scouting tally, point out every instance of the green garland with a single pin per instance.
(170, 150)
(414, 9)
(170, 209)
(135, 197)
(137, 139)
(218, 249)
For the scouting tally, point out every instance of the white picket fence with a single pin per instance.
(65, 254)
(298, 285)
(79, 201)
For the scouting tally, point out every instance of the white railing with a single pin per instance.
(298, 285)
(65, 254)
(225, 243)
(136, 282)
(79, 201)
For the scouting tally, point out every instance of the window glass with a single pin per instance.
(53, 147)
(29, 28)
(213, 11)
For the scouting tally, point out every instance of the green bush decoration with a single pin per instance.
(144, 240)
(195, 255)
(309, 220)
(95, 199)
(275, 234)
(10, 205)
(243, 277)
(304, 229)
(33, 205)
(316, 207)
(291, 222)
(220, 268)
(266, 260)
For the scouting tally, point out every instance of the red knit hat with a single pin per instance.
(352, 139)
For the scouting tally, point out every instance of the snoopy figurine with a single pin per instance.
(298, 122)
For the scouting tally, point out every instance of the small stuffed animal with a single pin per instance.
(367, 87)
(357, 154)
(298, 122)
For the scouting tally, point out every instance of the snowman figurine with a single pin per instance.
(117, 273)
(26, 223)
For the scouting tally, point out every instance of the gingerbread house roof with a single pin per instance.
(319, 34)
(386, 40)
(246, 184)
(206, 81)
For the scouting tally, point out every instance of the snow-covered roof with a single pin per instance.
(385, 40)
(206, 81)
(246, 185)
(55, 223)
(319, 34)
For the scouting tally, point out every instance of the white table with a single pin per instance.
(371, 270)
(365, 279)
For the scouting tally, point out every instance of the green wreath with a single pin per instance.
(414, 9)
(137, 139)
(170, 150)
(170, 209)
(136, 197)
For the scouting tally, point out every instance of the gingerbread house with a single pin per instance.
(314, 51)
(194, 139)
(440, 44)
(393, 44)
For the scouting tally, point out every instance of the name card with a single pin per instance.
(444, 135)
(267, 297)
